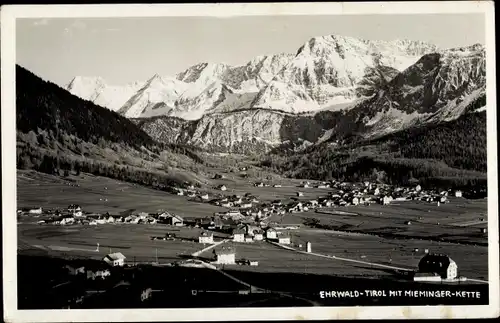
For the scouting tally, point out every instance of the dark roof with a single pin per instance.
(225, 250)
(434, 261)
(239, 231)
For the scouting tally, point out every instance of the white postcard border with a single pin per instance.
(10, 13)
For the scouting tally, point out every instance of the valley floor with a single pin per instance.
(366, 238)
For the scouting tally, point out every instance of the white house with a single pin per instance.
(65, 221)
(246, 205)
(223, 187)
(439, 264)
(418, 188)
(239, 235)
(204, 197)
(206, 237)
(225, 256)
(458, 193)
(284, 239)
(115, 259)
(386, 200)
(35, 211)
(355, 201)
(271, 233)
(429, 277)
(300, 194)
(258, 236)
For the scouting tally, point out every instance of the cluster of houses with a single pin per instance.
(98, 271)
(248, 233)
(75, 215)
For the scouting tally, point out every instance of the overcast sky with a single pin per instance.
(123, 50)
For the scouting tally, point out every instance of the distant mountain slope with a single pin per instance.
(44, 105)
(334, 88)
(446, 153)
(58, 133)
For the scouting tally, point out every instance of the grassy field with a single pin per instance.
(459, 221)
(134, 241)
(93, 191)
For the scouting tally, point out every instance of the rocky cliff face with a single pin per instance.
(332, 87)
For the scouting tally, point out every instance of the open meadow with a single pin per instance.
(394, 235)
(134, 241)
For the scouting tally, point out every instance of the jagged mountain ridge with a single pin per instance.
(339, 86)
(438, 87)
(324, 71)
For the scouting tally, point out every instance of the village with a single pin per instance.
(248, 208)
(255, 231)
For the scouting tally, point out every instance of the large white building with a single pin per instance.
(439, 264)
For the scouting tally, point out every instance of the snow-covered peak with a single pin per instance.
(202, 72)
(86, 86)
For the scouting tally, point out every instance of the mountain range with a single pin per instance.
(332, 88)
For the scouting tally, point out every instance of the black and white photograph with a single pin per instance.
(249, 161)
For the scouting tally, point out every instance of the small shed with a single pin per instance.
(115, 259)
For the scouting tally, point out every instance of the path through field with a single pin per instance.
(339, 258)
(197, 253)
(358, 261)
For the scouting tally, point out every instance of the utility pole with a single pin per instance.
(156, 255)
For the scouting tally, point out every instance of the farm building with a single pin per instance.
(225, 255)
(300, 194)
(227, 204)
(222, 187)
(239, 235)
(246, 205)
(418, 188)
(35, 211)
(276, 203)
(439, 264)
(284, 239)
(206, 237)
(75, 270)
(72, 208)
(115, 259)
(232, 213)
(434, 277)
(171, 219)
(458, 193)
(67, 220)
(276, 185)
(101, 273)
(271, 233)
(258, 236)
(386, 200)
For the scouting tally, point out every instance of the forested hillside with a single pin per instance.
(444, 154)
(60, 133)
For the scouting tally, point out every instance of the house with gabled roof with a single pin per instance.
(115, 259)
